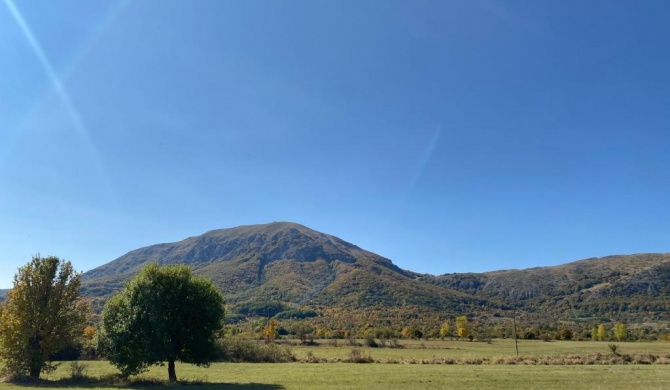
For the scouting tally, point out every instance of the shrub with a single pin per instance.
(395, 343)
(78, 371)
(356, 356)
(564, 333)
(241, 350)
(613, 348)
(370, 341)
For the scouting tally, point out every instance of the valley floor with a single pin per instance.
(263, 376)
(247, 376)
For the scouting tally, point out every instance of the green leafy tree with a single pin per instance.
(43, 313)
(565, 333)
(620, 332)
(163, 314)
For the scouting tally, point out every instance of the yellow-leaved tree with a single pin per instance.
(620, 332)
(270, 331)
(43, 313)
(462, 326)
(445, 330)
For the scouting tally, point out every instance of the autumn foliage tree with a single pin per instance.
(164, 314)
(462, 327)
(620, 332)
(270, 331)
(43, 313)
(445, 330)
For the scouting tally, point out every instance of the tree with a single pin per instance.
(620, 332)
(270, 331)
(565, 333)
(163, 314)
(445, 330)
(43, 313)
(602, 332)
(462, 326)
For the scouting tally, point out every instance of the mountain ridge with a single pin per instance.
(293, 265)
(281, 261)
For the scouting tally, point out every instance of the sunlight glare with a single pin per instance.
(71, 110)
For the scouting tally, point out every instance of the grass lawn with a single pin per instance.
(414, 349)
(250, 376)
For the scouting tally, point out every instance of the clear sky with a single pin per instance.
(448, 136)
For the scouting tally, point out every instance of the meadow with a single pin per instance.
(419, 349)
(408, 373)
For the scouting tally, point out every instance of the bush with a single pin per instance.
(613, 348)
(356, 356)
(529, 335)
(395, 343)
(248, 351)
(564, 333)
(370, 341)
(78, 371)
(545, 337)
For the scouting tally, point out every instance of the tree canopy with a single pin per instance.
(462, 326)
(43, 313)
(163, 314)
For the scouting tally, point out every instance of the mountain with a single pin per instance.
(282, 265)
(637, 285)
(285, 263)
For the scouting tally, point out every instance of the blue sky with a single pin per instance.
(448, 136)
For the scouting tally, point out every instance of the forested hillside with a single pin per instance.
(633, 286)
(286, 267)
(287, 264)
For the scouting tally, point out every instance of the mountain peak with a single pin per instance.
(263, 242)
(284, 261)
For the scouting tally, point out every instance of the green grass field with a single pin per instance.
(261, 376)
(414, 349)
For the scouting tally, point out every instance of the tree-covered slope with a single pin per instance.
(287, 263)
(634, 285)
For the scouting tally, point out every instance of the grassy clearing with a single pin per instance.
(250, 376)
(438, 349)
(265, 376)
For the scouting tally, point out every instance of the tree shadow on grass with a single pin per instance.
(116, 383)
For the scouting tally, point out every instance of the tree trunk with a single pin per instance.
(35, 357)
(35, 369)
(171, 372)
